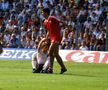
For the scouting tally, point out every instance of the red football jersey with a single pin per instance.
(52, 25)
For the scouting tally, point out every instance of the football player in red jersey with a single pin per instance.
(51, 23)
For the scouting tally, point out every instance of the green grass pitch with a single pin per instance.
(17, 75)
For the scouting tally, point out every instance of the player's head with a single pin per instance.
(46, 12)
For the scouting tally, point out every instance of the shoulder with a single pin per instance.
(53, 18)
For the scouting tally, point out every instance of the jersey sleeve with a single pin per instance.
(53, 20)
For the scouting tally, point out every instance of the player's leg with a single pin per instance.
(51, 55)
(46, 66)
(58, 58)
(39, 68)
(41, 61)
(34, 63)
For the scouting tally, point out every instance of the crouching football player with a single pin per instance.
(40, 59)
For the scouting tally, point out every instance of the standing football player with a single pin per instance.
(51, 23)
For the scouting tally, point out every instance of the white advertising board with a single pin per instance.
(67, 55)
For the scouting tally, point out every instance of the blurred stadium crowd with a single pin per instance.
(21, 23)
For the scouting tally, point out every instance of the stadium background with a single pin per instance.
(21, 23)
(21, 30)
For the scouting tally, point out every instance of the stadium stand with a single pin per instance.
(21, 23)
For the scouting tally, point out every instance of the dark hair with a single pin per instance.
(46, 10)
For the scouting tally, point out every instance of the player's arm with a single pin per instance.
(64, 23)
(47, 35)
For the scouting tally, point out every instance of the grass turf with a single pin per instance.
(17, 75)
